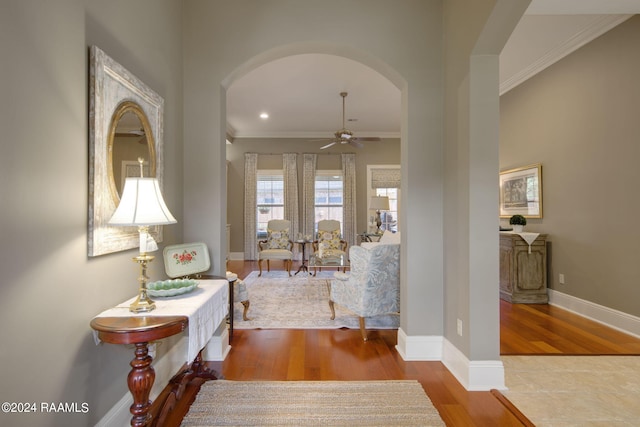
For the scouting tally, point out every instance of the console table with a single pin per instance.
(139, 331)
(200, 313)
(523, 269)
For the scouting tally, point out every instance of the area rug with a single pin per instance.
(298, 302)
(575, 390)
(312, 403)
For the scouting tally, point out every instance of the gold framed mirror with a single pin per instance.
(130, 138)
(125, 122)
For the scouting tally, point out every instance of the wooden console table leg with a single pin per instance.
(201, 370)
(139, 330)
(140, 381)
(175, 390)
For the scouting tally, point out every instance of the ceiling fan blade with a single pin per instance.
(328, 145)
(356, 143)
(126, 135)
(368, 138)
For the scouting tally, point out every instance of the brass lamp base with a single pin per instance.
(143, 303)
(378, 221)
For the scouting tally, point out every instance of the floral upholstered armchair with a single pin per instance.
(277, 246)
(372, 287)
(329, 241)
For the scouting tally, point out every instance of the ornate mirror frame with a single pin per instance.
(112, 88)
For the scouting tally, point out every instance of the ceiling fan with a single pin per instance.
(134, 133)
(344, 135)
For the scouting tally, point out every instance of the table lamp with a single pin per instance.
(379, 203)
(142, 205)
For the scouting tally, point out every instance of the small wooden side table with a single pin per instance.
(303, 267)
(139, 331)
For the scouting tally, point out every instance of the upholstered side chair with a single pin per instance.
(372, 287)
(278, 245)
(329, 242)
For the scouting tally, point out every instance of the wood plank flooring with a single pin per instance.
(546, 329)
(342, 355)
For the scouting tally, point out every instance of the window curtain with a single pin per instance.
(290, 177)
(349, 198)
(309, 194)
(250, 205)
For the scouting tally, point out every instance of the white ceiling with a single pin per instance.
(301, 93)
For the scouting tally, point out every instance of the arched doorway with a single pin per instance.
(301, 93)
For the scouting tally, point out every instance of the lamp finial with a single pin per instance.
(141, 162)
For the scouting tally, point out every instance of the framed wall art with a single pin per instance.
(521, 192)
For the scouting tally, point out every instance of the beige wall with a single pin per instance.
(579, 118)
(405, 47)
(385, 152)
(471, 167)
(49, 289)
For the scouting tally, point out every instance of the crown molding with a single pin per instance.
(586, 35)
(308, 135)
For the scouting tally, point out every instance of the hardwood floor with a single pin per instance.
(342, 355)
(546, 329)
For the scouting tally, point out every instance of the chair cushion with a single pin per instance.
(277, 239)
(275, 254)
(329, 240)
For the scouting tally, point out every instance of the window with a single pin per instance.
(328, 196)
(269, 200)
(384, 180)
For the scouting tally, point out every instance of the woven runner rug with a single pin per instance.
(312, 403)
(278, 301)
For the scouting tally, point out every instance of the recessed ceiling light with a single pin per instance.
(264, 116)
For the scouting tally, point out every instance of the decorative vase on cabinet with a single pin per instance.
(523, 272)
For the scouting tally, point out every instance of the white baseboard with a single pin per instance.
(419, 347)
(615, 319)
(480, 375)
(477, 375)
(236, 256)
(218, 346)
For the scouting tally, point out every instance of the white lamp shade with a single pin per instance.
(142, 204)
(379, 203)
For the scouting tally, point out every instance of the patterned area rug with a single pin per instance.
(298, 302)
(575, 391)
(312, 403)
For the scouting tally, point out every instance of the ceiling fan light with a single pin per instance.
(344, 135)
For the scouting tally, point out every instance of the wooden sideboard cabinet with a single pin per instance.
(523, 273)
